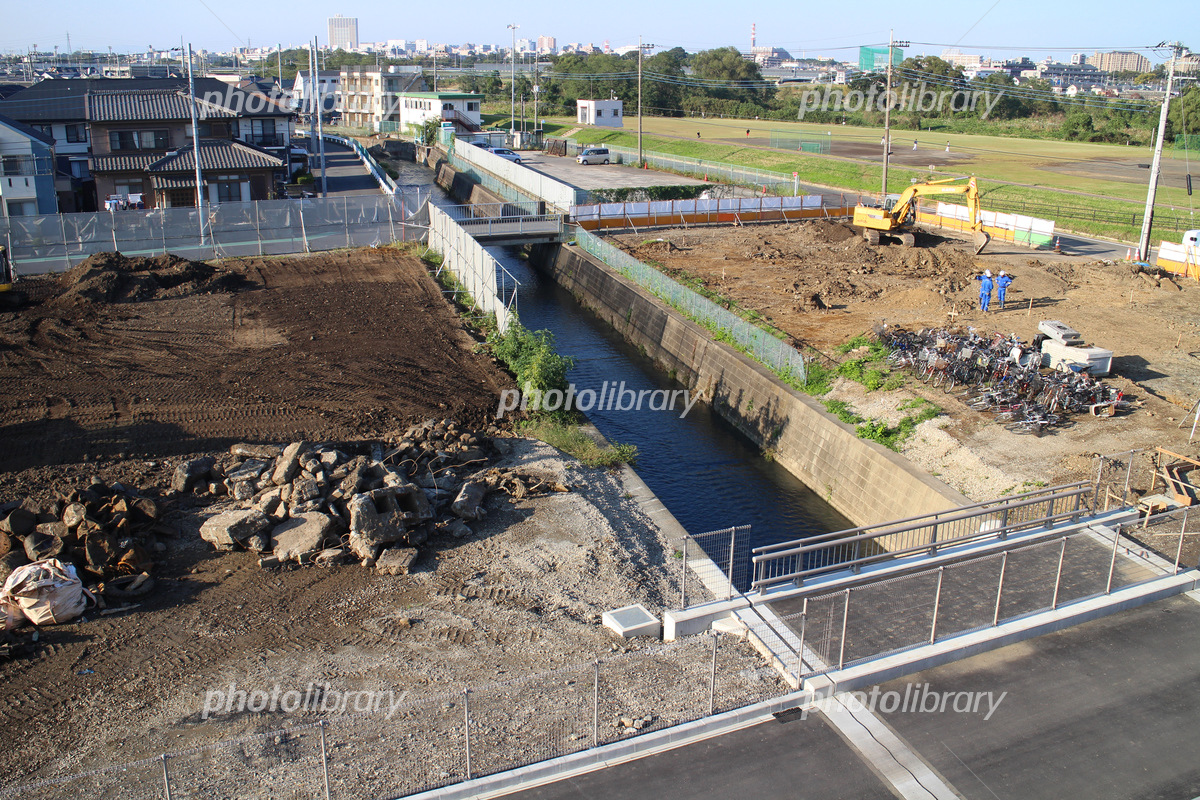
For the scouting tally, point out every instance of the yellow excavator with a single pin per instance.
(896, 216)
(10, 296)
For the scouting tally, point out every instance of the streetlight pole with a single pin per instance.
(512, 84)
(1148, 214)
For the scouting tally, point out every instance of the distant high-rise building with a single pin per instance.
(1079, 58)
(957, 58)
(546, 45)
(1120, 61)
(343, 33)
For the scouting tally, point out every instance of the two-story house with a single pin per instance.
(26, 171)
(143, 150)
(60, 108)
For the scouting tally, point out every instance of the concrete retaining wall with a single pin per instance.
(864, 481)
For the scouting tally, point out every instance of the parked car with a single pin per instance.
(594, 155)
(483, 145)
(506, 154)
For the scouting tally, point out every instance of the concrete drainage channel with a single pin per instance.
(623, 333)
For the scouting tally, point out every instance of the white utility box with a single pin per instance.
(1060, 333)
(1095, 360)
(632, 621)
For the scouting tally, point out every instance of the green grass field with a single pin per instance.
(1078, 184)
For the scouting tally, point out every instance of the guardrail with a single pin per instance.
(704, 211)
(491, 287)
(794, 562)
(534, 184)
(717, 171)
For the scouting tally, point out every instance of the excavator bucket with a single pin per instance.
(981, 241)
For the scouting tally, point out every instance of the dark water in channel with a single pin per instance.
(705, 472)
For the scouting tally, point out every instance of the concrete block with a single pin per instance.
(632, 621)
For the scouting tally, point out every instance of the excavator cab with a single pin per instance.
(10, 296)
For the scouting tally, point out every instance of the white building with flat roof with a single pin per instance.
(603, 113)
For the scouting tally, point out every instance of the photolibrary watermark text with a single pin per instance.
(918, 698)
(917, 97)
(315, 698)
(611, 396)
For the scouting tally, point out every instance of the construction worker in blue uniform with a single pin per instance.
(985, 289)
(1002, 283)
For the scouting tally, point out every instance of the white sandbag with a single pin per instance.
(45, 592)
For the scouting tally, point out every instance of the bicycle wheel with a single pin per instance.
(1022, 426)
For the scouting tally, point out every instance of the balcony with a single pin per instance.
(263, 139)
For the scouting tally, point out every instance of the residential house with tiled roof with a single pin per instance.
(60, 109)
(143, 149)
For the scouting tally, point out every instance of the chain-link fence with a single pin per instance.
(419, 745)
(1120, 477)
(726, 326)
(55, 242)
(487, 285)
(875, 619)
(715, 564)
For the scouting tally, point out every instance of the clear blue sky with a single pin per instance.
(820, 28)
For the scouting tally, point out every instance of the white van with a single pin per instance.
(594, 155)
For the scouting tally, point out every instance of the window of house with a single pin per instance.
(16, 165)
(127, 186)
(599, 113)
(22, 208)
(48, 130)
(472, 106)
(80, 170)
(229, 191)
(178, 198)
(77, 133)
(447, 106)
(140, 140)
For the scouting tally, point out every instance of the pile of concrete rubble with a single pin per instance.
(313, 503)
(105, 531)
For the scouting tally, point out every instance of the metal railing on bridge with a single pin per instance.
(796, 561)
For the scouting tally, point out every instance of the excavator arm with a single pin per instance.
(897, 218)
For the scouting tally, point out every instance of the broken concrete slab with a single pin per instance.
(396, 560)
(266, 452)
(192, 472)
(302, 536)
(229, 530)
(288, 463)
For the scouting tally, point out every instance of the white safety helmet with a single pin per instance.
(987, 273)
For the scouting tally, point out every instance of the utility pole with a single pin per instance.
(196, 145)
(1148, 214)
(641, 49)
(319, 105)
(887, 113)
(279, 63)
(512, 80)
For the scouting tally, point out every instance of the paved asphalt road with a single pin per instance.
(344, 173)
(802, 758)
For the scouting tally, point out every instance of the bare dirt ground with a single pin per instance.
(171, 359)
(120, 367)
(822, 284)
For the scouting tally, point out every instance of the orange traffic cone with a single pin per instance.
(1057, 246)
(706, 177)
(1129, 254)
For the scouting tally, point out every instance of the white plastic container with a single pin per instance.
(1060, 333)
(1095, 360)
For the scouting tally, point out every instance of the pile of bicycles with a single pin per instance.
(1002, 375)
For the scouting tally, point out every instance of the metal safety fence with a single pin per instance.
(488, 286)
(714, 564)
(56, 242)
(398, 747)
(752, 340)
(856, 548)
(873, 620)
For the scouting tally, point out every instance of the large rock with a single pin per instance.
(304, 488)
(469, 503)
(189, 473)
(301, 536)
(229, 530)
(288, 464)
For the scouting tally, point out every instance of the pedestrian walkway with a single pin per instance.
(344, 173)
